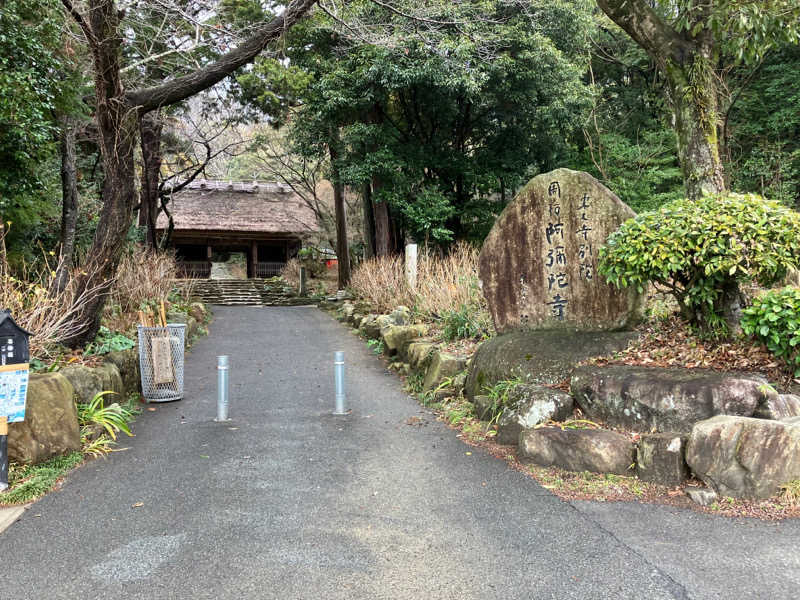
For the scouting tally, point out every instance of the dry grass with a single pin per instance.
(291, 273)
(143, 276)
(52, 316)
(445, 284)
(381, 283)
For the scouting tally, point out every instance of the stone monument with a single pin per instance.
(538, 265)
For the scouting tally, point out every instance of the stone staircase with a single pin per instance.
(247, 292)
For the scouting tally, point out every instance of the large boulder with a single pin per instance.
(745, 457)
(50, 427)
(89, 381)
(593, 450)
(543, 357)
(778, 406)
(528, 406)
(127, 363)
(419, 353)
(659, 459)
(538, 265)
(396, 338)
(653, 399)
(442, 365)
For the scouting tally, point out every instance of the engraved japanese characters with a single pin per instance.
(538, 265)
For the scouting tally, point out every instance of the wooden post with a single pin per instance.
(303, 282)
(254, 258)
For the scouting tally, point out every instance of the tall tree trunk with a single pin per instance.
(69, 203)
(369, 221)
(383, 225)
(342, 247)
(117, 112)
(686, 59)
(694, 100)
(117, 125)
(150, 127)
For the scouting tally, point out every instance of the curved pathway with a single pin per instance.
(288, 501)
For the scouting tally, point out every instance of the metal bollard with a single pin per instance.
(338, 368)
(222, 389)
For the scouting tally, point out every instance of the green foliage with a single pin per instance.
(774, 319)
(112, 418)
(499, 395)
(763, 132)
(463, 323)
(108, 341)
(445, 127)
(29, 482)
(701, 251)
(376, 346)
(28, 33)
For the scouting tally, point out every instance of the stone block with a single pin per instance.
(663, 400)
(594, 450)
(744, 457)
(419, 353)
(88, 381)
(543, 357)
(528, 406)
(443, 364)
(660, 459)
(50, 427)
(396, 338)
(778, 406)
(127, 363)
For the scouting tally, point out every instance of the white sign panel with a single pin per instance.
(13, 390)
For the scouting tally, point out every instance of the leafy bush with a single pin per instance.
(774, 318)
(701, 251)
(108, 341)
(463, 323)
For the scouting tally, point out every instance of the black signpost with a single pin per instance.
(14, 358)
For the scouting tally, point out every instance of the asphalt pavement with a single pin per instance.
(288, 501)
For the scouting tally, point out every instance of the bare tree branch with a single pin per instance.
(183, 87)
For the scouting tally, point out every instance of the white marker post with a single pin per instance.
(411, 265)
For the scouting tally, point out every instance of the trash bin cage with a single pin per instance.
(161, 362)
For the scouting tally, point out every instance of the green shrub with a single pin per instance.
(701, 251)
(774, 318)
(463, 323)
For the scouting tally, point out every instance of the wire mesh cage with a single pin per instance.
(161, 362)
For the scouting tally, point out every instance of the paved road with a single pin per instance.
(290, 502)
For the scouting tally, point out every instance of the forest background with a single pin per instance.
(425, 117)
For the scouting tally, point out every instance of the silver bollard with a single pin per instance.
(338, 368)
(222, 389)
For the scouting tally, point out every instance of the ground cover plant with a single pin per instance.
(774, 319)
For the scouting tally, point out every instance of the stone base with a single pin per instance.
(745, 458)
(543, 357)
(659, 459)
(593, 450)
(50, 427)
(530, 405)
